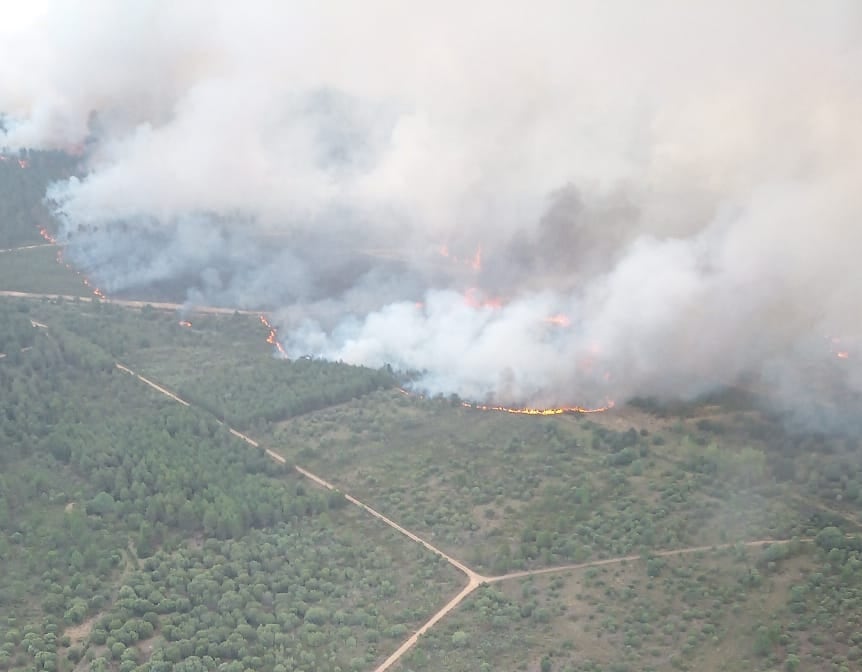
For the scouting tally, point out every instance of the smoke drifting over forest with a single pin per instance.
(435, 186)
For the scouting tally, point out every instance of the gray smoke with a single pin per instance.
(679, 181)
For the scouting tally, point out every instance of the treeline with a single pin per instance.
(217, 368)
(24, 178)
(269, 391)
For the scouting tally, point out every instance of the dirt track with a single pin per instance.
(26, 247)
(633, 558)
(128, 303)
(155, 386)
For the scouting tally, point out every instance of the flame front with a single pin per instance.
(272, 336)
(46, 235)
(475, 299)
(514, 410)
(609, 404)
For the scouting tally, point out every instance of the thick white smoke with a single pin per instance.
(679, 180)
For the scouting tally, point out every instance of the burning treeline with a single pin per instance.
(540, 412)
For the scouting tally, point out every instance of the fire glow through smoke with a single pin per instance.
(481, 213)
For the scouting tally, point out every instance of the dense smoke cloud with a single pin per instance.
(680, 181)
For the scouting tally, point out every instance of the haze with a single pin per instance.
(680, 182)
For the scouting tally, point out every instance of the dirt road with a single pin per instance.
(149, 382)
(408, 644)
(407, 533)
(26, 349)
(474, 580)
(26, 247)
(632, 558)
(128, 303)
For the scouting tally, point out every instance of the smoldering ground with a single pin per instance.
(680, 183)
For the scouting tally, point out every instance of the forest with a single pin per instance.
(103, 482)
(24, 177)
(140, 534)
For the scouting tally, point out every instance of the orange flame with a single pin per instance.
(474, 299)
(185, 323)
(559, 320)
(23, 163)
(272, 336)
(46, 235)
(609, 404)
(836, 343)
(474, 262)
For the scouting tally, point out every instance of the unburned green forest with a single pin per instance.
(141, 534)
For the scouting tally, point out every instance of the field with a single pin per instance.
(36, 270)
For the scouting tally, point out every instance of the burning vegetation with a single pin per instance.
(272, 336)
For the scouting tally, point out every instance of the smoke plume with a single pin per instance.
(544, 202)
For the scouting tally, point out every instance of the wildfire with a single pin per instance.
(46, 235)
(96, 291)
(559, 320)
(562, 410)
(474, 262)
(22, 163)
(272, 336)
(836, 344)
(609, 404)
(474, 298)
(185, 323)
